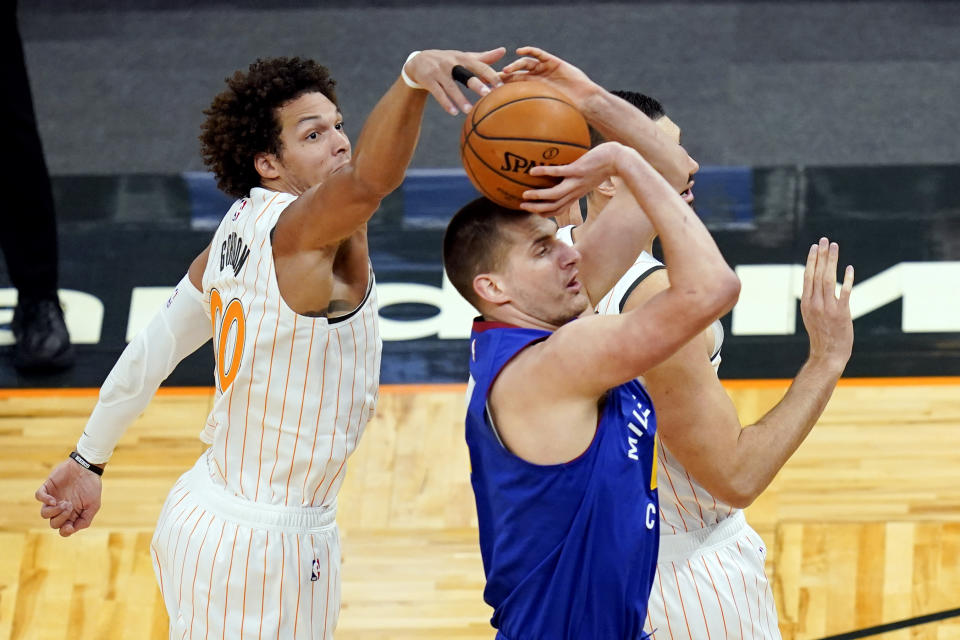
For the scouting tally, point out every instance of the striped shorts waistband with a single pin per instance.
(246, 512)
(681, 546)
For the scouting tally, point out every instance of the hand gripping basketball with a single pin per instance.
(537, 64)
(515, 128)
(577, 179)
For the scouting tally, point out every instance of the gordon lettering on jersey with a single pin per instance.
(233, 253)
(642, 415)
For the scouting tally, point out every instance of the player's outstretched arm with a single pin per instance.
(71, 494)
(609, 350)
(331, 211)
(699, 424)
(612, 116)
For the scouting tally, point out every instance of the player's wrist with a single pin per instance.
(410, 82)
(625, 159)
(597, 105)
(96, 468)
(829, 366)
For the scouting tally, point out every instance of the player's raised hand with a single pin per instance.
(70, 497)
(578, 179)
(433, 71)
(826, 315)
(537, 64)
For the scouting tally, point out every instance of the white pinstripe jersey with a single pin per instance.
(684, 504)
(294, 393)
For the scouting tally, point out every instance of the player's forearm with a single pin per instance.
(346, 200)
(619, 120)
(765, 446)
(178, 329)
(609, 244)
(698, 272)
(388, 139)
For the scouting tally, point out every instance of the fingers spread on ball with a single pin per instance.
(521, 65)
(533, 52)
(515, 136)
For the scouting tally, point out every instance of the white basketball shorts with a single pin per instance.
(232, 568)
(710, 584)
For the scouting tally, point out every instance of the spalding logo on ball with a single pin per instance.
(515, 128)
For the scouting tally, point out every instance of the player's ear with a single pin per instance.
(487, 287)
(607, 187)
(267, 165)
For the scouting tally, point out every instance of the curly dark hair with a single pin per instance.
(242, 121)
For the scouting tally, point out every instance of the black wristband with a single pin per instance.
(80, 460)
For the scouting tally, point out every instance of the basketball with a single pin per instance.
(515, 128)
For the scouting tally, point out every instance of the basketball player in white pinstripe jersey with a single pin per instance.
(247, 543)
(710, 579)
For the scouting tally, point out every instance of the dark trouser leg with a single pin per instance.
(28, 231)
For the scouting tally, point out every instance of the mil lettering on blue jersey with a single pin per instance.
(642, 416)
(233, 253)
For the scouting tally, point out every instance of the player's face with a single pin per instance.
(540, 273)
(671, 129)
(313, 141)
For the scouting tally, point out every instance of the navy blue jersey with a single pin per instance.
(569, 550)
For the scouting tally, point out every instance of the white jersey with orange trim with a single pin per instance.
(684, 504)
(710, 579)
(247, 542)
(294, 393)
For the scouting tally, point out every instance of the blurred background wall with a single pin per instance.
(120, 85)
(809, 118)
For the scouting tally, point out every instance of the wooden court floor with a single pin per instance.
(863, 524)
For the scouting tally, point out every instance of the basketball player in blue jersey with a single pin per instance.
(561, 435)
(711, 580)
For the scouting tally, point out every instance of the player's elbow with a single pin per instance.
(716, 296)
(726, 290)
(739, 486)
(737, 495)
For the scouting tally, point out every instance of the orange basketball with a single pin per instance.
(514, 128)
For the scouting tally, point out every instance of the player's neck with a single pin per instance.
(281, 185)
(509, 314)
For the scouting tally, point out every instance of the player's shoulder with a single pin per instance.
(646, 277)
(568, 348)
(530, 355)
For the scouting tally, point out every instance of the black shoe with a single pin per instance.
(43, 344)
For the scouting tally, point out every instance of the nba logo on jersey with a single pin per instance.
(315, 572)
(236, 214)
